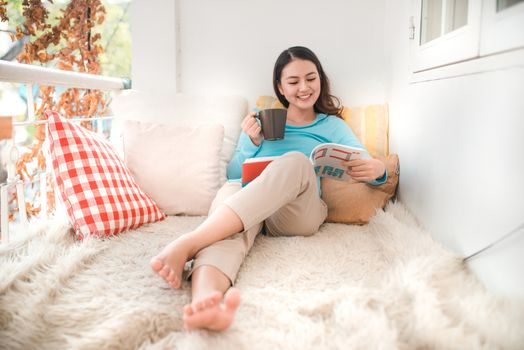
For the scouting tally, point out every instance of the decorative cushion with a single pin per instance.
(178, 166)
(98, 192)
(266, 102)
(182, 109)
(356, 202)
(370, 124)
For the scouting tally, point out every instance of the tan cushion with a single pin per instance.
(356, 202)
(371, 126)
(265, 102)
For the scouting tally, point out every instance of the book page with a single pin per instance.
(327, 158)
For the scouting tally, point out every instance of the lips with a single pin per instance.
(304, 97)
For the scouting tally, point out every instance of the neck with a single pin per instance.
(300, 117)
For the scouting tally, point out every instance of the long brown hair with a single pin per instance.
(326, 102)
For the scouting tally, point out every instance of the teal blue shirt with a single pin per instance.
(303, 138)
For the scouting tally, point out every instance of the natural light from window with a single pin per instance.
(440, 17)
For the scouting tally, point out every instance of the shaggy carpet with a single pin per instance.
(385, 285)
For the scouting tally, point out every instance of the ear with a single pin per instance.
(280, 89)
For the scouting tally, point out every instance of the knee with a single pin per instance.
(302, 228)
(306, 231)
(297, 159)
(296, 223)
(227, 190)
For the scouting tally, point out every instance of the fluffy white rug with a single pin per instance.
(386, 285)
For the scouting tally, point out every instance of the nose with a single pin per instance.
(303, 85)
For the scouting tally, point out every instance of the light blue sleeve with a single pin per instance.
(345, 136)
(245, 149)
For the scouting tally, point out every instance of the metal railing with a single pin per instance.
(31, 75)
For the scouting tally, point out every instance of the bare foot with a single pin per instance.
(210, 313)
(170, 262)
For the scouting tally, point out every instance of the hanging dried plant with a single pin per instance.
(3, 12)
(70, 44)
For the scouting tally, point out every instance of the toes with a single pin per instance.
(232, 299)
(188, 310)
(199, 306)
(175, 283)
(216, 297)
(165, 271)
(156, 264)
(171, 276)
(208, 302)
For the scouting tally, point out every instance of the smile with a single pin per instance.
(304, 97)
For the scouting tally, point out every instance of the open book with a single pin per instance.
(326, 159)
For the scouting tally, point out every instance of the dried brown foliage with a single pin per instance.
(3, 14)
(70, 44)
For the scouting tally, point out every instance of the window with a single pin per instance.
(502, 26)
(452, 31)
(441, 17)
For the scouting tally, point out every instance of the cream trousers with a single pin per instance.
(284, 201)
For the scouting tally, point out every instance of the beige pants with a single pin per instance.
(284, 200)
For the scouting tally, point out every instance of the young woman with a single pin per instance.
(283, 200)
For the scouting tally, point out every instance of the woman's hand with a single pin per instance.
(251, 127)
(365, 169)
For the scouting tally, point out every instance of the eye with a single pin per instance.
(312, 79)
(293, 83)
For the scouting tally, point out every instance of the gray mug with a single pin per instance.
(273, 123)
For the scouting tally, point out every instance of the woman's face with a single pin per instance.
(300, 84)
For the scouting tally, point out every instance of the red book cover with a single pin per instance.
(252, 167)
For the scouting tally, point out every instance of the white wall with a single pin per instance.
(153, 67)
(461, 148)
(230, 46)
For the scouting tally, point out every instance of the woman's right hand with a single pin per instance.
(251, 127)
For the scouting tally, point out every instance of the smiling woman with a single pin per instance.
(300, 86)
(284, 200)
(315, 82)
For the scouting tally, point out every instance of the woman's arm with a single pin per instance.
(248, 144)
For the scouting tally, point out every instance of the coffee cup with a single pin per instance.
(273, 123)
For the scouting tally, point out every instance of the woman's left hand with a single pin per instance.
(365, 169)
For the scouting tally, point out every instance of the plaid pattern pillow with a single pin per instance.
(99, 193)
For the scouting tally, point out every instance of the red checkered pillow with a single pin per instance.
(100, 195)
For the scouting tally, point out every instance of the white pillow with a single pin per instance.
(183, 109)
(177, 166)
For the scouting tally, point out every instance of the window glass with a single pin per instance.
(442, 16)
(456, 15)
(504, 4)
(431, 20)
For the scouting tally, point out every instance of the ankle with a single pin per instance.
(190, 244)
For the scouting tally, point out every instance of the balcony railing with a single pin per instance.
(31, 75)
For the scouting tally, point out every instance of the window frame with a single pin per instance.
(460, 50)
(456, 46)
(499, 30)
